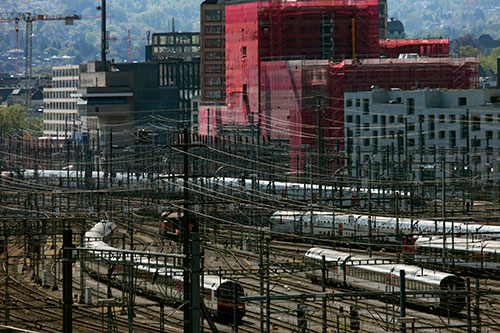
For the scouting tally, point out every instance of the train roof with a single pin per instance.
(372, 264)
(461, 244)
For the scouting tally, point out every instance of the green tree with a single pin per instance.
(490, 61)
(12, 120)
(468, 51)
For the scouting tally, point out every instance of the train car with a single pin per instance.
(477, 256)
(383, 228)
(160, 280)
(369, 274)
(340, 196)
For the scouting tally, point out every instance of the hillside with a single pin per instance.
(421, 18)
(452, 18)
(82, 41)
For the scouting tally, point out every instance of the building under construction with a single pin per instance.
(280, 56)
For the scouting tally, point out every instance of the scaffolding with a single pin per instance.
(304, 30)
(392, 48)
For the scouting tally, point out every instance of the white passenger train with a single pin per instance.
(343, 196)
(159, 279)
(477, 256)
(383, 229)
(369, 274)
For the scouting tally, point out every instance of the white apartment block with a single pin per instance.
(60, 114)
(417, 130)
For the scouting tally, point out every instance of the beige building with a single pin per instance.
(60, 114)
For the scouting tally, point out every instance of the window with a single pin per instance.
(244, 52)
(213, 81)
(163, 40)
(366, 142)
(348, 102)
(212, 15)
(452, 118)
(375, 138)
(366, 126)
(215, 94)
(431, 126)
(464, 127)
(213, 68)
(410, 105)
(441, 118)
(476, 123)
(399, 100)
(358, 102)
(213, 55)
(462, 101)
(411, 142)
(349, 119)
(391, 119)
(374, 119)
(442, 135)
(411, 127)
(213, 42)
(453, 138)
(366, 106)
(213, 30)
(489, 135)
(401, 119)
(489, 118)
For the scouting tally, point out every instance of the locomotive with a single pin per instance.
(365, 273)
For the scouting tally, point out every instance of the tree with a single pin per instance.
(468, 51)
(12, 120)
(490, 61)
(465, 40)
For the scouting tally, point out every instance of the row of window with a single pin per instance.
(213, 81)
(61, 128)
(384, 278)
(214, 94)
(64, 72)
(60, 106)
(474, 120)
(213, 30)
(213, 42)
(213, 15)
(65, 83)
(60, 116)
(410, 103)
(214, 55)
(176, 49)
(180, 74)
(214, 68)
(176, 40)
(57, 94)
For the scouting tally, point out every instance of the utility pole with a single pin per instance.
(104, 39)
(319, 111)
(402, 298)
(443, 208)
(185, 239)
(67, 282)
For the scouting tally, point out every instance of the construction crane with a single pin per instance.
(129, 40)
(28, 18)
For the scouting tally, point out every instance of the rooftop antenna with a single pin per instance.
(173, 24)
